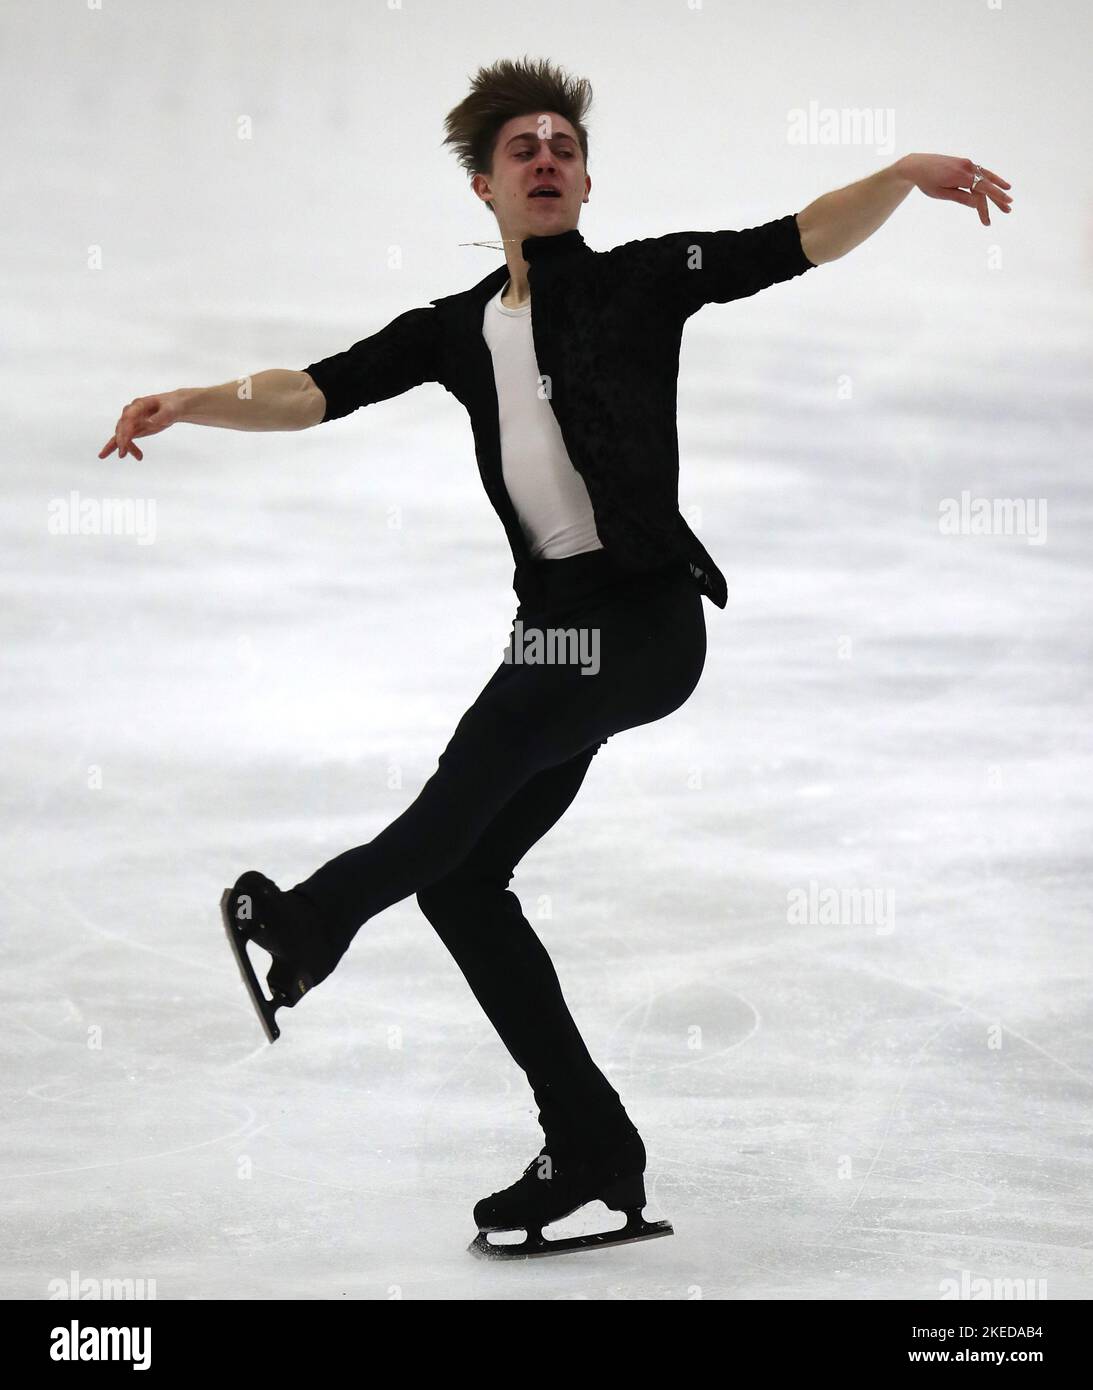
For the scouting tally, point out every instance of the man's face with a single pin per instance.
(536, 152)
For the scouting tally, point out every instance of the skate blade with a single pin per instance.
(536, 1244)
(263, 1007)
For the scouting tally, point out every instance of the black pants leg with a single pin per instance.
(511, 767)
(507, 967)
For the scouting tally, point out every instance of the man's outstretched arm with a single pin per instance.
(837, 222)
(400, 356)
(276, 399)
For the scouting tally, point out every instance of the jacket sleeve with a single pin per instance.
(398, 357)
(696, 268)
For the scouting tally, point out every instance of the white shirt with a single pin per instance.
(547, 493)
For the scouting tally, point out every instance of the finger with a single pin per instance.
(970, 200)
(987, 184)
(975, 200)
(108, 449)
(995, 178)
(133, 448)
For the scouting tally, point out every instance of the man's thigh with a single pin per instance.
(531, 716)
(524, 819)
(574, 681)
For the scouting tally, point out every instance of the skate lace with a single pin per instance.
(535, 1163)
(559, 1157)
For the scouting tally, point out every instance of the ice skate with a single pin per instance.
(554, 1186)
(290, 930)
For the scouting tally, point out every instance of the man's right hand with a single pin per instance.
(146, 415)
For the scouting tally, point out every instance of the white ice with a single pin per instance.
(831, 1110)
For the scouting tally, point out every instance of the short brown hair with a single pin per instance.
(509, 89)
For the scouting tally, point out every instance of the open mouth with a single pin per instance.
(545, 193)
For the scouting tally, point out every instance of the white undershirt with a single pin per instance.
(547, 492)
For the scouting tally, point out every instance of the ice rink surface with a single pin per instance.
(890, 717)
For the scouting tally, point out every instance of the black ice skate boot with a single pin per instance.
(554, 1184)
(291, 929)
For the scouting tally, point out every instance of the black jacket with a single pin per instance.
(607, 328)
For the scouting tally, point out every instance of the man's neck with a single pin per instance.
(517, 292)
(511, 299)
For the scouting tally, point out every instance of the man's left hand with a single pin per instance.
(944, 176)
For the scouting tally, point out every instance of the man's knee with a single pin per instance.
(459, 898)
(447, 899)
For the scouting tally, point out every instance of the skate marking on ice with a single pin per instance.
(263, 1007)
(705, 1057)
(141, 1158)
(535, 1244)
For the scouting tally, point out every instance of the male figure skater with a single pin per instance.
(566, 360)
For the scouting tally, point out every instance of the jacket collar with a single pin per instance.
(539, 248)
(477, 294)
(533, 248)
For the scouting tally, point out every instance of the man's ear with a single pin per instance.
(480, 187)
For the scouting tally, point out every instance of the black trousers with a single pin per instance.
(513, 765)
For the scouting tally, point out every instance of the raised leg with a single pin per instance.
(527, 720)
(507, 967)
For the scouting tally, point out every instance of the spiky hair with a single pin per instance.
(509, 89)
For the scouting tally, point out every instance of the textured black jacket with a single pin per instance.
(607, 328)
